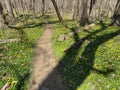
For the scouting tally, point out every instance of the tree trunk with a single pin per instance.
(33, 8)
(116, 15)
(76, 12)
(43, 7)
(83, 15)
(2, 15)
(57, 10)
(10, 10)
(92, 2)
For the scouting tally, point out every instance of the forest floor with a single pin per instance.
(44, 64)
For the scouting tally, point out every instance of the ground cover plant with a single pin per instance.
(84, 35)
(89, 60)
(16, 57)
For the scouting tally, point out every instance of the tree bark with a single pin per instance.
(4, 21)
(116, 15)
(33, 8)
(43, 7)
(57, 10)
(83, 16)
(10, 10)
(92, 2)
(76, 9)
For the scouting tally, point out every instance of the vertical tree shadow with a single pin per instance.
(76, 71)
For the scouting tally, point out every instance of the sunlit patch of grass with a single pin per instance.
(102, 49)
(59, 30)
(16, 58)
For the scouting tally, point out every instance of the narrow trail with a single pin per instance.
(45, 64)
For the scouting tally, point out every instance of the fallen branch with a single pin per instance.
(6, 86)
(10, 40)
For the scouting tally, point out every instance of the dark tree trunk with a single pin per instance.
(84, 15)
(4, 21)
(57, 10)
(116, 15)
(92, 2)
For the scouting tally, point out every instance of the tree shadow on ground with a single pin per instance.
(75, 72)
(21, 28)
(38, 24)
(23, 36)
(21, 32)
(28, 25)
(33, 25)
(22, 79)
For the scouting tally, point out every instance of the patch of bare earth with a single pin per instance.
(45, 75)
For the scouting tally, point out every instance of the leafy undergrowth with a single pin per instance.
(92, 57)
(15, 57)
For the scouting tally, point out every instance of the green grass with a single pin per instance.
(17, 56)
(93, 64)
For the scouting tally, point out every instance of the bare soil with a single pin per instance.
(45, 75)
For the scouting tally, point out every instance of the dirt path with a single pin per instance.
(45, 76)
